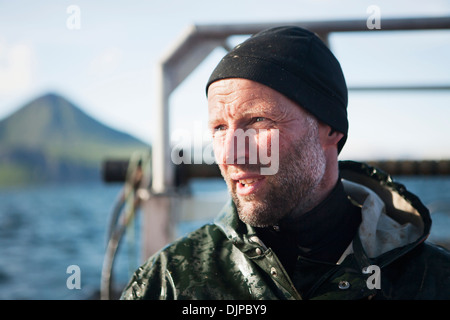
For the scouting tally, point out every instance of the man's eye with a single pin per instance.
(219, 128)
(258, 119)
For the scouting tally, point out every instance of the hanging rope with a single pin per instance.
(135, 189)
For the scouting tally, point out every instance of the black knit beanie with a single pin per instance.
(296, 63)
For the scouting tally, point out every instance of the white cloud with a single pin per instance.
(16, 68)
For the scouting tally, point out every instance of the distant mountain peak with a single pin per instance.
(58, 134)
(51, 115)
(51, 99)
(51, 95)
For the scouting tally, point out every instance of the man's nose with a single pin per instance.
(236, 147)
(229, 155)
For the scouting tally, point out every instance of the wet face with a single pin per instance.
(262, 198)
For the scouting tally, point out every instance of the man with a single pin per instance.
(312, 229)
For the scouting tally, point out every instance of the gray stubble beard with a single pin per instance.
(293, 190)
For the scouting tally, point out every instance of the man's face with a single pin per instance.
(262, 200)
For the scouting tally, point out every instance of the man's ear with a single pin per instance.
(329, 136)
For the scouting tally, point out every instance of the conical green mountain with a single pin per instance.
(52, 140)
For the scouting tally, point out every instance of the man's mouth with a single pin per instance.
(247, 186)
(247, 182)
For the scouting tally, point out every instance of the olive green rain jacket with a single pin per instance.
(388, 258)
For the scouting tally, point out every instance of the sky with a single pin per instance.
(104, 55)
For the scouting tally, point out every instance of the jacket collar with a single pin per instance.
(394, 220)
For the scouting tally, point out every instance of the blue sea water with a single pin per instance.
(46, 229)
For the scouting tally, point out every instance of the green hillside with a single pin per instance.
(52, 140)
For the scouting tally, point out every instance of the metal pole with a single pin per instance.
(162, 173)
(156, 211)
